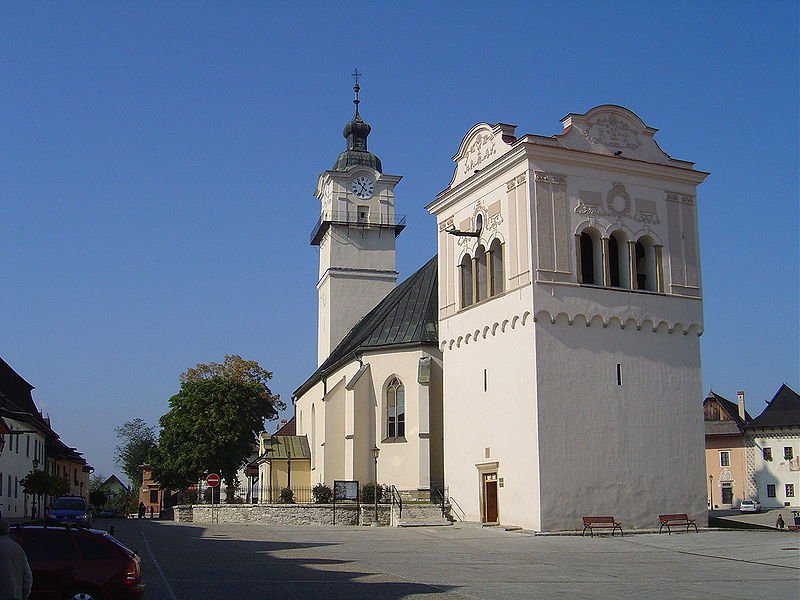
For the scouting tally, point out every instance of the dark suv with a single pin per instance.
(75, 563)
(71, 509)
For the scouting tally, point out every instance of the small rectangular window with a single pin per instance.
(790, 490)
(788, 453)
(619, 374)
(767, 453)
(28, 446)
(363, 214)
(770, 490)
(725, 458)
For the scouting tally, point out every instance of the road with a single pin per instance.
(250, 561)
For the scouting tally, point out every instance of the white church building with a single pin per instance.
(545, 365)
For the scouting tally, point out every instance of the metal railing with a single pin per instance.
(455, 508)
(358, 219)
(275, 495)
(439, 495)
(396, 499)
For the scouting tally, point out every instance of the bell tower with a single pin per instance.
(355, 233)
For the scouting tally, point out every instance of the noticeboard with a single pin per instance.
(345, 490)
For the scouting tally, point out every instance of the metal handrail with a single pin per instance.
(396, 494)
(442, 495)
(454, 504)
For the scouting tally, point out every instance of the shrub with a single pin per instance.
(368, 493)
(287, 496)
(322, 494)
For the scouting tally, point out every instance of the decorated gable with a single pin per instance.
(616, 131)
(482, 145)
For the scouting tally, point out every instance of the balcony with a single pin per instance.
(356, 219)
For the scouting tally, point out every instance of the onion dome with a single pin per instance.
(356, 132)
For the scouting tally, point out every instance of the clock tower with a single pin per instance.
(356, 235)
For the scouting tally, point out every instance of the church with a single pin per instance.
(545, 364)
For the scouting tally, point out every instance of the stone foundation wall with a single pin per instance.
(281, 514)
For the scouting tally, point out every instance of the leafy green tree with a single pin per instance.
(39, 483)
(96, 482)
(137, 440)
(213, 422)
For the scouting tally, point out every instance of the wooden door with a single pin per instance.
(490, 512)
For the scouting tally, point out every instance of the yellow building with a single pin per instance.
(726, 464)
(284, 461)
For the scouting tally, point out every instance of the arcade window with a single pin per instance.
(767, 453)
(790, 490)
(770, 490)
(725, 458)
(788, 454)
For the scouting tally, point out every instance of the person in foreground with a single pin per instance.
(15, 573)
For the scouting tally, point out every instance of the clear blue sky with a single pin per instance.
(158, 162)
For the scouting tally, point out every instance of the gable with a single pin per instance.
(614, 131)
(482, 145)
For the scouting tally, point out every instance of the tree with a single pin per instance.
(39, 483)
(213, 421)
(98, 498)
(137, 439)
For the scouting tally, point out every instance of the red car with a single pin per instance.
(75, 563)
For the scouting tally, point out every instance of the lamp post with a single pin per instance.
(35, 463)
(711, 492)
(375, 452)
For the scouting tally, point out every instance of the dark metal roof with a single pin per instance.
(282, 446)
(407, 316)
(733, 412)
(16, 400)
(782, 411)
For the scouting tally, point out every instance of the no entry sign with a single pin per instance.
(212, 480)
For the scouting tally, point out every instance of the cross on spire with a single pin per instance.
(356, 88)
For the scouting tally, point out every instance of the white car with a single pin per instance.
(750, 506)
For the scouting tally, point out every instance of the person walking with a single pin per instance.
(15, 573)
(779, 524)
(141, 509)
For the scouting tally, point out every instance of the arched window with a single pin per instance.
(496, 268)
(587, 259)
(395, 410)
(481, 275)
(645, 265)
(618, 267)
(613, 261)
(466, 281)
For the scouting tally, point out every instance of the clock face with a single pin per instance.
(363, 187)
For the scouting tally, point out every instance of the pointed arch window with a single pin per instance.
(395, 410)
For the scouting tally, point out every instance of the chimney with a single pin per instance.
(740, 398)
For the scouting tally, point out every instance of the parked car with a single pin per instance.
(76, 563)
(112, 513)
(750, 506)
(70, 510)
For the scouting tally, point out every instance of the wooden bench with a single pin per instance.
(592, 523)
(676, 519)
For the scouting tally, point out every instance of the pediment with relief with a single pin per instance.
(616, 131)
(482, 145)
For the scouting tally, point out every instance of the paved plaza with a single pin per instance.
(183, 561)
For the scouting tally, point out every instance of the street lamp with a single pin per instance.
(711, 492)
(375, 452)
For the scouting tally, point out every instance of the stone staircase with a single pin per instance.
(416, 514)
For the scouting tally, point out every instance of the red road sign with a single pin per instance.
(212, 480)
